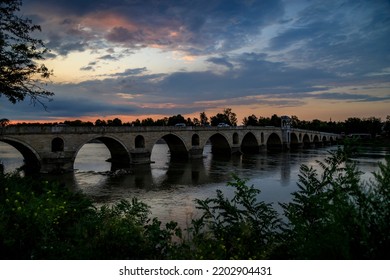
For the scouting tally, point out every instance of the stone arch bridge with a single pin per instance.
(50, 149)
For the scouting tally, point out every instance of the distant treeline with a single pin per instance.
(371, 125)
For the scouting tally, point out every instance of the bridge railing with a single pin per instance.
(134, 129)
(116, 129)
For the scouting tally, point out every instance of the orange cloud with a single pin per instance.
(107, 20)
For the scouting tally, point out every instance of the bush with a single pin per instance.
(333, 215)
(37, 217)
(41, 220)
(239, 228)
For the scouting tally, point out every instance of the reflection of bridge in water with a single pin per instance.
(54, 148)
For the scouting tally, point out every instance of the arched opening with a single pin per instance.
(57, 145)
(306, 141)
(177, 149)
(316, 141)
(249, 144)
(220, 145)
(18, 156)
(139, 142)
(102, 154)
(324, 140)
(236, 139)
(274, 143)
(294, 142)
(195, 140)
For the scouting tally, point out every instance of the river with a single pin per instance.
(170, 188)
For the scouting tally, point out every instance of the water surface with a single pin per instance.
(170, 188)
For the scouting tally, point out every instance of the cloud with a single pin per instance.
(224, 61)
(185, 25)
(244, 53)
(350, 97)
(337, 36)
(108, 57)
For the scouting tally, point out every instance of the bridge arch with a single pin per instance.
(176, 146)
(32, 160)
(316, 140)
(249, 144)
(324, 140)
(306, 141)
(195, 140)
(120, 156)
(294, 141)
(236, 138)
(139, 142)
(274, 142)
(220, 145)
(57, 145)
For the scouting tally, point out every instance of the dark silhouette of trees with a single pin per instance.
(4, 122)
(231, 116)
(219, 118)
(114, 122)
(386, 126)
(100, 122)
(203, 118)
(227, 117)
(276, 120)
(353, 125)
(78, 123)
(176, 119)
(20, 74)
(250, 121)
(161, 122)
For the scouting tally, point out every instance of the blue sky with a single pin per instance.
(138, 58)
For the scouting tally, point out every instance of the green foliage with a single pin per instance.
(333, 215)
(237, 228)
(380, 218)
(40, 220)
(36, 218)
(20, 74)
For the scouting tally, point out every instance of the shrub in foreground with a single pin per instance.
(40, 220)
(333, 215)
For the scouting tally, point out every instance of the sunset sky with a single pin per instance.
(139, 58)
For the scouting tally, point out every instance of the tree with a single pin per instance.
(4, 122)
(203, 118)
(114, 122)
(196, 121)
(231, 116)
(219, 118)
(176, 119)
(251, 120)
(386, 127)
(20, 74)
(147, 122)
(263, 121)
(227, 117)
(276, 120)
(100, 122)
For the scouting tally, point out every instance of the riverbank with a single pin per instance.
(332, 216)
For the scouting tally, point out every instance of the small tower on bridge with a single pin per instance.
(286, 128)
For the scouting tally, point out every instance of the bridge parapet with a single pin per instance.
(54, 148)
(122, 129)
